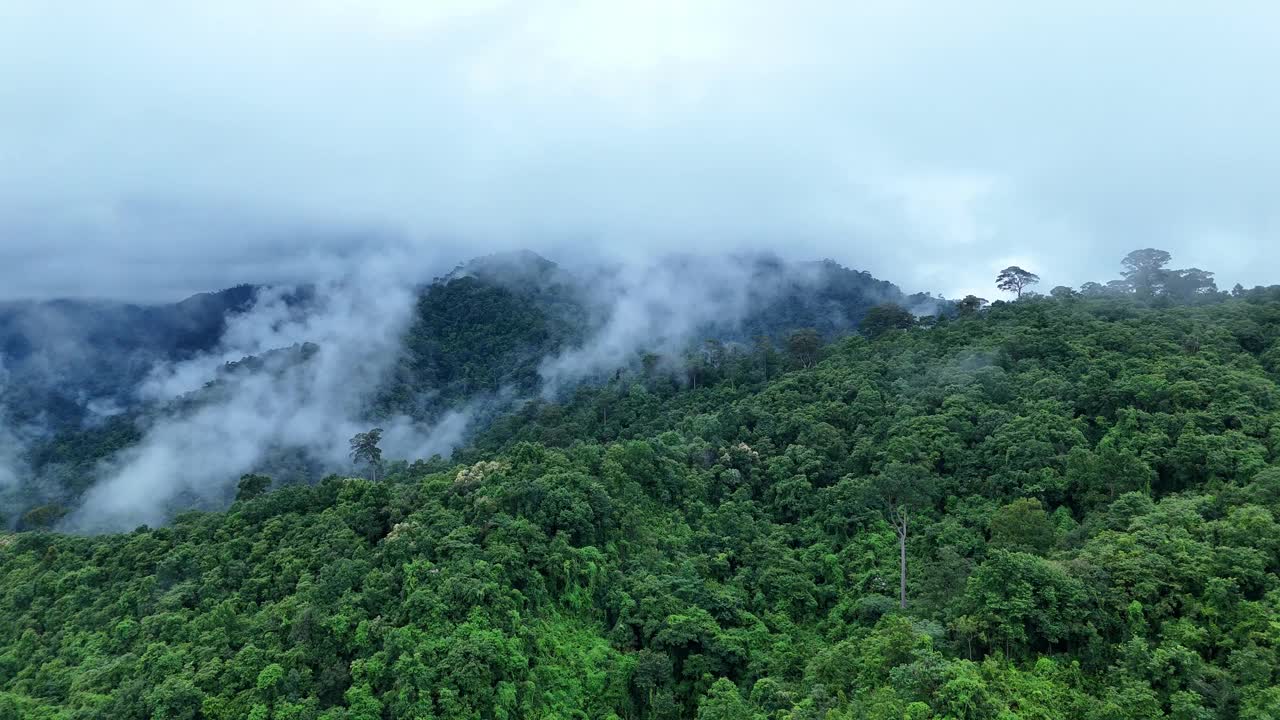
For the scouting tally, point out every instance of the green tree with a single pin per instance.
(1022, 601)
(970, 305)
(883, 318)
(768, 356)
(900, 491)
(1144, 270)
(364, 449)
(251, 486)
(724, 702)
(1015, 280)
(1022, 525)
(804, 345)
(1189, 284)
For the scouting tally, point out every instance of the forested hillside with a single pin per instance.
(1053, 508)
(72, 373)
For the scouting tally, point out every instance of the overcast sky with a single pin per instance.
(151, 149)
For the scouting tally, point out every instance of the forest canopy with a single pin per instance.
(1059, 507)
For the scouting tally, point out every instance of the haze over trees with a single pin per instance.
(1144, 270)
(883, 318)
(1146, 276)
(490, 334)
(1060, 507)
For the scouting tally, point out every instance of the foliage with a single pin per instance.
(365, 450)
(883, 318)
(473, 346)
(1015, 280)
(1092, 486)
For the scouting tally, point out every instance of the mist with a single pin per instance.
(666, 303)
(12, 446)
(654, 308)
(148, 153)
(11, 449)
(322, 362)
(295, 376)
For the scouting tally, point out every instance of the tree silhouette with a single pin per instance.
(1144, 270)
(1014, 279)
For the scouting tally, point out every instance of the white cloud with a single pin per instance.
(315, 406)
(151, 150)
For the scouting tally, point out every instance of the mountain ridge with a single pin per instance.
(478, 341)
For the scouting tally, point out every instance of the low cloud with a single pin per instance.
(663, 305)
(653, 308)
(154, 151)
(302, 398)
(12, 466)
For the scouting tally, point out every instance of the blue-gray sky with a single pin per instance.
(149, 150)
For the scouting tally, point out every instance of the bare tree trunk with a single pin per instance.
(902, 560)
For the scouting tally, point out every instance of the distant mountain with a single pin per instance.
(66, 360)
(823, 295)
(478, 338)
(484, 327)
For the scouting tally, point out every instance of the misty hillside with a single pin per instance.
(64, 361)
(487, 326)
(1062, 507)
(639, 360)
(92, 388)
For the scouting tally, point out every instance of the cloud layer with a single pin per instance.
(151, 151)
(310, 402)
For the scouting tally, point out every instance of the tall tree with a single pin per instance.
(768, 356)
(901, 490)
(1144, 270)
(1014, 279)
(364, 449)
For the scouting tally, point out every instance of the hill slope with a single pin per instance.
(1089, 489)
(476, 342)
(61, 355)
